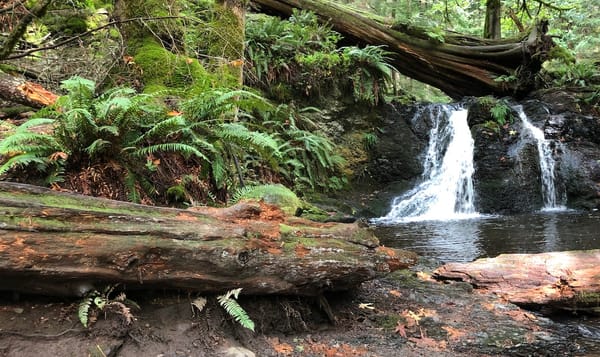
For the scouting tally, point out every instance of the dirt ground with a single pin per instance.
(404, 314)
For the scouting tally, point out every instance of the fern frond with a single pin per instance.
(130, 183)
(239, 133)
(97, 146)
(182, 149)
(163, 128)
(239, 193)
(24, 160)
(33, 123)
(84, 310)
(233, 308)
(219, 170)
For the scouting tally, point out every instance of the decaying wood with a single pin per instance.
(18, 90)
(561, 280)
(460, 65)
(63, 244)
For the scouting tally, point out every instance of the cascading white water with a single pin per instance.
(553, 200)
(447, 190)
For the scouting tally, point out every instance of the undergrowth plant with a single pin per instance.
(232, 307)
(227, 138)
(300, 56)
(228, 302)
(102, 301)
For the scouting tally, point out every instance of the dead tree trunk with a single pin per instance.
(65, 244)
(559, 280)
(460, 65)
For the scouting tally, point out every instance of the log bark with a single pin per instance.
(57, 243)
(18, 90)
(460, 66)
(558, 280)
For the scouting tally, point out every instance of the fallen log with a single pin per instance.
(17, 90)
(557, 280)
(57, 243)
(459, 65)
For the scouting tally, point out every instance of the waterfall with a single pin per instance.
(553, 200)
(446, 191)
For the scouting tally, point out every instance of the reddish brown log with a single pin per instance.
(18, 90)
(563, 280)
(65, 244)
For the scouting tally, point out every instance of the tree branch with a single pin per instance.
(11, 7)
(14, 37)
(88, 32)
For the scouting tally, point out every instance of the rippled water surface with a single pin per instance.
(469, 239)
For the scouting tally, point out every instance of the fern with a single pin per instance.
(183, 149)
(239, 193)
(84, 310)
(101, 301)
(233, 308)
(262, 142)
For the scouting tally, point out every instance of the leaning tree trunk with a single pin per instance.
(459, 66)
(67, 244)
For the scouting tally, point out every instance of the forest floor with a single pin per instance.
(403, 314)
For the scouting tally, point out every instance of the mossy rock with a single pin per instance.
(277, 195)
(163, 70)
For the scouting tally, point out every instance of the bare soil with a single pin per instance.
(404, 314)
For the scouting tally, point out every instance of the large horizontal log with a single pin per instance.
(64, 244)
(559, 280)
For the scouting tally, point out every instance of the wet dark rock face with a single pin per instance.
(578, 131)
(507, 170)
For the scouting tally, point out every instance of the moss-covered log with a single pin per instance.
(559, 280)
(458, 65)
(65, 244)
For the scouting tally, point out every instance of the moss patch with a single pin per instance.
(163, 70)
(277, 195)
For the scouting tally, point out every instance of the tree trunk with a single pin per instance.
(560, 280)
(18, 90)
(493, 12)
(460, 66)
(66, 244)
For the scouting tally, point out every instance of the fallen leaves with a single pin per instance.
(453, 333)
(395, 293)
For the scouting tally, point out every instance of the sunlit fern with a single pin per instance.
(229, 303)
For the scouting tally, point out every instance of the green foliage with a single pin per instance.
(103, 302)
(163, 70)
(559, 73)
(370, 72)
(229, 303)
(500, 112)
(303, 54)
(370, 140)
(27, 147)
(242, 125)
